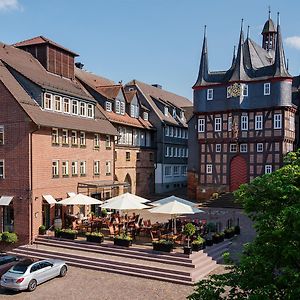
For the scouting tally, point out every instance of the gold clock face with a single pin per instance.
(235, 90)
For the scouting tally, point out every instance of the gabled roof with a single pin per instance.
(129, 95)
(25, 64)
(39, 40)
(52, 119)
(92, 79)
(110, 92)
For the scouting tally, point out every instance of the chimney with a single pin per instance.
(158, 86)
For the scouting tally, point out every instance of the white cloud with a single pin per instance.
(9, 5)
(293, 42)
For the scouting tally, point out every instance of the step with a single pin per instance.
(138, 269)
(203, 270)
(115, 252)
(105, 269)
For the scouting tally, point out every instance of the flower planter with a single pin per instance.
(162, 247)
(94, 239)
(187, 250)
(216, 239)
(198, 247)
(42, 231)
(209, 242)
(237, 230)
(229, 234)
(57, 234)
(123, 243)
(67, 235)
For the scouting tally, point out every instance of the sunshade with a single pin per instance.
(50, 199)
(122, 203)
(79, 199)
(127, 196)
(171, 199)
(175, 208)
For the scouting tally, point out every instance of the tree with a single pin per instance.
(269, 267)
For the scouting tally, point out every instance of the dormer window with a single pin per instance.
(48, 101)
(245, 90)
(210, 94)
(122, 108)
(166, 111)
(182, 115)
(57, 103)
(118, 107)
(66, 105)
(90, 111)
(75, 107)
(82, 109)
(145, 116)
(134, 111)
(174, 113)
(108, 106)
(267, 89)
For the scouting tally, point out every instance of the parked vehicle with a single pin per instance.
(6, 262)
(27, 274)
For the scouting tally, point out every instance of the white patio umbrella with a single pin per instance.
(171, 199)
(174, 209)
(123, 203)
(127, 196)
(80, 199)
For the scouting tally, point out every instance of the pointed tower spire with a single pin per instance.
(239, 71)
(233, 56)
(269, 34)
(280, 69)
(248, 32)
(203, 69)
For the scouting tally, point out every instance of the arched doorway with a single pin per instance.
(127, 188)
(238, 172)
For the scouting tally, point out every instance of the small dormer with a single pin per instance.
(53, 57)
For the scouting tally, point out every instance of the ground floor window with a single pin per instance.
(8, 218)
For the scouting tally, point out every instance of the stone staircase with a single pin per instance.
(225, 200)
(136, 261)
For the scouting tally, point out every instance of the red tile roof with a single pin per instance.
(42, 40)
(110, 92)
(92, 79)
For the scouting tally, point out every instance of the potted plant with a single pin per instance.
(189, 230)
(216, 238)
(229, 232)
(7, 239)
(198, 244)
(42, 230)
(237, 229)
(103, 213)
(221, 236)
(94, 237)
(57, 232)
(123, 240)
(209, 240)
(68, 234)
(163, 245)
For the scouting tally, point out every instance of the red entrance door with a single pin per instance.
(238, 172)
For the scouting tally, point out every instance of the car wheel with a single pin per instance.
(63, 271)
(32, 285)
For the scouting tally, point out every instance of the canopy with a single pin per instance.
(50, 199)
(5, 200)
(175, 208)
(124, 203)
(79, 199)
(127, 196)
(171, 199)
(71, 194)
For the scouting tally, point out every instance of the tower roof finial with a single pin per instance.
(242, 24)
(269, 12)
(278, 18)
(248, 31)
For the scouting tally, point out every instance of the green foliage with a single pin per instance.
(123, 236)
(189, 229)
(227, 259)
(269, 267)
(103, 213)
(42, 227)
(9, 237)
(211, 227)
(164, 242)
(94, 234)
(198, 241)
(69, 231)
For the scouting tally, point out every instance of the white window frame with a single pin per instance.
(75, 107)
(48, 101)
(1, 134)
(176, 151)
(218, 124)
(74, 138)
(183, 170)
(66, 105)
(210, 94)
(291, 121)
(174, 113)
(209, 169)
(118, 107)
(145, 116)
(90, 111)
(74, 168)
(277, 121)
(65, 168)
(107, 142)
(65, 137)
(122, 107)
(176, 170)
(244, 122)
(218, 147)
(82, 168)
(175, 131)
(201, 125)
(2, 168)
(168, 174)
(96, 167)
(167, 151)
(258, 122)
(96, 140)
(229, 123)
(57, 103)
(108, 106)
(55, 136)
(132, 110)
(245, 90)
(243, 148)
(259, 147)
(82, 139)
(233, 148)
(82, 109)
(166, 111)
(55, 168)
(268, 169)
(171, 131)
(228, 92)
(167, 130)
(108, 167)
(267, 89)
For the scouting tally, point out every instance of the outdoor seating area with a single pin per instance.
(122, 220)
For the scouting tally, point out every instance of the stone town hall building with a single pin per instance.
(244, 118)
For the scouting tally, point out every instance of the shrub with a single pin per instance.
(123, 237)
(70, 231)
(164, 242)
(94, 234)
(198, 241)
(103, 213)
(9, 237)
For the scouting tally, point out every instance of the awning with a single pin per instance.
(71, 194)
(49, 199)
(5, 200)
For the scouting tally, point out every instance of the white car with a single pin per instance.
(27, 274)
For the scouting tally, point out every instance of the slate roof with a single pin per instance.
(269, 27)
(38, 40)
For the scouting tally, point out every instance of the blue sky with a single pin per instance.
(155, 41)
